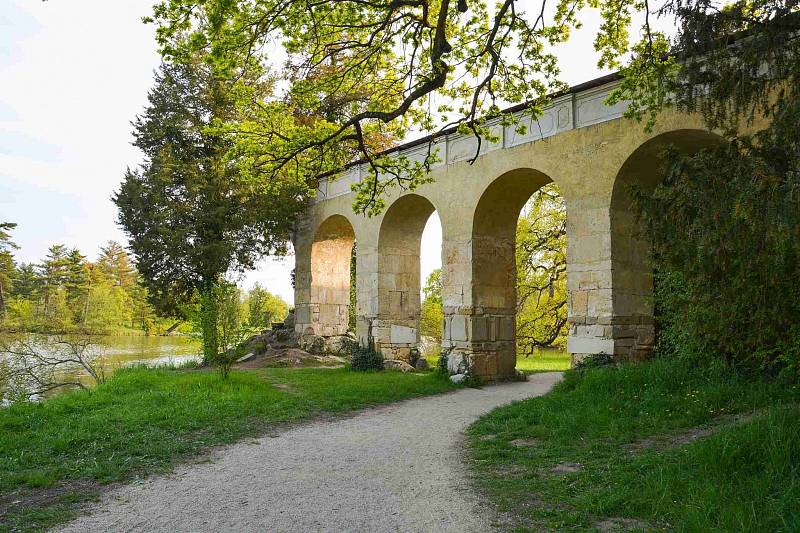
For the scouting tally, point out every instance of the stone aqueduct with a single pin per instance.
(591, 153)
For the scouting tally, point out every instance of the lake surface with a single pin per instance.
(119, 352)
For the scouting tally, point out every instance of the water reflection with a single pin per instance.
(119, 352)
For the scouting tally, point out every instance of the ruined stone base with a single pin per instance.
(486, 366)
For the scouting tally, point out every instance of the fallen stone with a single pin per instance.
(621, 524)
(393, 364)
(246, 357)
(339, 345)
(566, 468)
(524, 443)
(458, 378)
(312, 343)
(421, 364)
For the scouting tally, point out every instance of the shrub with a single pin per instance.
(595, 360)
(724, 227)
(441, 365)
(363, 358)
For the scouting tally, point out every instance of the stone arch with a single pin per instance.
(329, 299)
(631, 270)
(488, 330)
(399, 241)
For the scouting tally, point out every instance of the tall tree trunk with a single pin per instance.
(209, 317)
(86, 307)
(2, 302)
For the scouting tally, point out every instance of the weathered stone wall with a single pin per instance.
(590, 153)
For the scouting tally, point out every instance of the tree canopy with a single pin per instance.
(191, 211)
(358, 75)
(725, 222)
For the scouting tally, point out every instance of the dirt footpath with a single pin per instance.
(393, 468)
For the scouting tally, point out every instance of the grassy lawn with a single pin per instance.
(544, 361)
(541, 361)
(59, 452)
(645, 447)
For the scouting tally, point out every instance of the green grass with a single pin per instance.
(544, 361)
(142, 421)
(541, 361)
(743, 476)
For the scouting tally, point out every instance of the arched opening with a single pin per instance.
(631, 268)
(330, 296)
(491, 330)
(399, 276)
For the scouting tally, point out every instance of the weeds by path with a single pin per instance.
(653, 446)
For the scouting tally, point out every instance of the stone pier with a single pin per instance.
(586, 148)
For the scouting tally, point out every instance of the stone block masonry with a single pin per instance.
(586, 148)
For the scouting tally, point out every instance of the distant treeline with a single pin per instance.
(66, 292)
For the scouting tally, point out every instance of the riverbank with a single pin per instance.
(651, 446)
(62, 452)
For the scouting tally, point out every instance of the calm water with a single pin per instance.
(119, 352)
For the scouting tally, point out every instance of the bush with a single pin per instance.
(363, 358)
(724, 228)
(441, 365)
(595, 360)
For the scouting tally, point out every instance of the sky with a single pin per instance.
(73, 74)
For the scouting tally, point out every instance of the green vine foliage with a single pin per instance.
(725, 227)
(725, 222)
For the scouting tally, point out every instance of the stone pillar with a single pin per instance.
(396, 329)
(609, 281)
(589, 280)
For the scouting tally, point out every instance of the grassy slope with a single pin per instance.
(745, 476)
(143, 421)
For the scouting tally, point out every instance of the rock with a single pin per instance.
(394, 364)
(519, 375)
(421, 364)
(246, 357)
(566, 468)
(339, 345)
(285, 336)
(413, 356)
(524, 443)
(288, 322)
(458, 363)
(458, 378)
(312, 343)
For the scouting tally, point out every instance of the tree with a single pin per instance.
(363, 73)
(725, 222)
(264, 307)
(26, 281)
(7, 267)
(115, 263)
(190, 213)
(37, 364)
(431, 318)
(52, 277)
(77, 283)
(541, 272)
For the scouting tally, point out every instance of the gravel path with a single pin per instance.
(393, 468)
